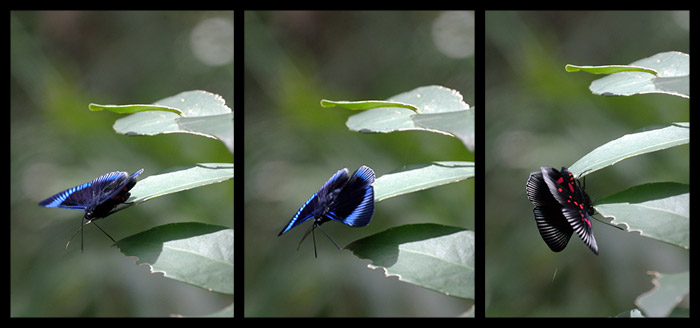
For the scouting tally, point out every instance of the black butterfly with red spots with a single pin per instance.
(561, 207)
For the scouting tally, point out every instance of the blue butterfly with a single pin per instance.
(98, 198)
(343, 198)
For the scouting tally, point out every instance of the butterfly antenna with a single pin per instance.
(80, 229)
(582, 173)
(82, 224)
(306, 234)
(313, 237)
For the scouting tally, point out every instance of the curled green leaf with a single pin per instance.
(365, 104)
(431, 108)
(130, 109)
(665, 73)
(193, 112)
(609, 69)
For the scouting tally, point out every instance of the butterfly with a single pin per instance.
(98, 198)
(345, 198)
(561, 207)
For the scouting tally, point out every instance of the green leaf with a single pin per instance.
(364, 104)
(195, 253)
(130, 109)
(648, 140)
(179, 179)
(608, 69)
(433, 99)
(668, 291)
(201, 113)
(383, 120)
(666, 72)
(432, 108)
(419, 177)
(656, 210)
(459, 123)
(436, 257)
(218, 126)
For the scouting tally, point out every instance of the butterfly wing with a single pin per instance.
(113, 184)
(106, 185)
(109, 190)
(304, 213)
(354, 204)
(574, 203)
(90, 194)
(76, 198)
(317, 204)
(551, 223)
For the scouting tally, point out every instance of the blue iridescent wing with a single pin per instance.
(109, 191)
(354, 204)
(112, 184)
(316, 205)
(76, 198)
(91, 193)
(99, 197)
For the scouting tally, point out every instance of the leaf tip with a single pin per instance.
(571, 68)
(327, 103)
(95, 107)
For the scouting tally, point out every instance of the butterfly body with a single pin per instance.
(98, 198)
(562, 207)
(345, 198)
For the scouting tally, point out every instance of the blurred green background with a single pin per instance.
(60, 61)
(539, 115)
(292, 146)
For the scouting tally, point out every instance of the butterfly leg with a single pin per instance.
(85, 221)
(310, 230)
(313, 237)
(110, 237)
(329, 237)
